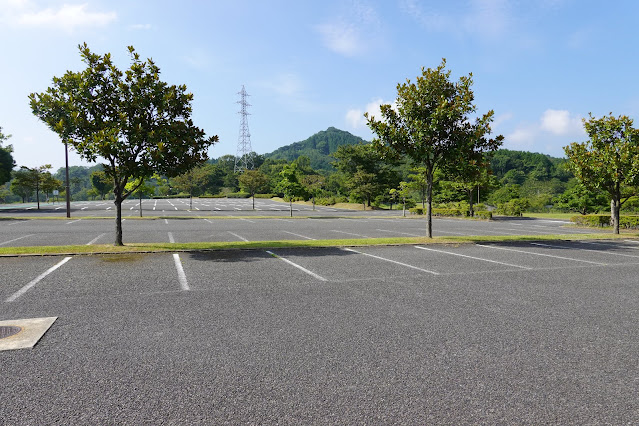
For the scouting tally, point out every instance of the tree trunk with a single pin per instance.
(615, 206)
(404, 208)
(190, 200)
(253, 201)
(429, 203)
(38, 193)
(118, 219)
(291, 206)
(470, 202)
(140, 204)
(313, 202)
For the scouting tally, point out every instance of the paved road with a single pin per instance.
(495, 333)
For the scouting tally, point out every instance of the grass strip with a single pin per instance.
(259, 245)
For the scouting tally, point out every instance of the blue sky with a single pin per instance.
(540, 65)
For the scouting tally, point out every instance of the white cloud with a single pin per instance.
(354, 33)
(560, 122)
(355, 116)
(342, 38)
(489, 19)
(68, 17)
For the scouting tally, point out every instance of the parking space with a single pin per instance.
(459, 334)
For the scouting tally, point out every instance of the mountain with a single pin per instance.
(318, 148)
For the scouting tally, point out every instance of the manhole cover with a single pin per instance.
(9, 330)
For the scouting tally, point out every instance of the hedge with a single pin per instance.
(601, 220)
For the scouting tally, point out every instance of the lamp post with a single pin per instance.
(66, 161)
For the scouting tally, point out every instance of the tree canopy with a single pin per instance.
(137, 123)
(6, 159)
(430, 123)
(609, 160)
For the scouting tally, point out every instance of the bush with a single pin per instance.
(437, 212)
(601, 220)
(238, 195)
(514, 207)
(593, 220)
(264, 195)
(629, 222)
(483, 214)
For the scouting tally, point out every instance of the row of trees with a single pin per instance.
(426, 142)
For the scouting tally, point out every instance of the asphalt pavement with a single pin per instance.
(494, 333)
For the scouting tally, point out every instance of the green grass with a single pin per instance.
(256, 245)
(562, 216)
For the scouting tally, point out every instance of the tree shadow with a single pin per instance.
(251, 255)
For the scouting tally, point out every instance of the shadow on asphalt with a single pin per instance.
(253, 255)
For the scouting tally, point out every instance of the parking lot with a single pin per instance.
(492, 333)
(272, 222)
(519, 332)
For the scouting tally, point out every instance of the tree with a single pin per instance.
(367, 173)
(580, 199)
(102, 183)
(33, 179)
(21, 184)
(49, 184)
(419, 183)
(190, 182)
(313, 184)
(431, 125)
(608, 161)
(252, 181)
(134, 121)
(6, 159)
(289, 184)
(402, 192)
(141, 188)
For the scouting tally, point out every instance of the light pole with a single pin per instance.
(66, 161)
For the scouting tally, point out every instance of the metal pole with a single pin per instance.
(68, 190)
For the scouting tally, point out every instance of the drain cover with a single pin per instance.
(9, 330)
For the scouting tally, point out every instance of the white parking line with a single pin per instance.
(391, 261)
(252, 221)
(208, 221)
(540, 254)
(180, 271)
(301, 268)
(584, 249)
(35, 281)
(15, 239)
(401, 233)
(96, 239)
(171, 239)
(473, 257)
(349, 233)
(73, 221)
(237, 236)
(166, 220)
(298, 235)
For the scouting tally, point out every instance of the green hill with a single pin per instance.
(318, 148)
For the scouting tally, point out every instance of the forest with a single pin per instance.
(334, 166)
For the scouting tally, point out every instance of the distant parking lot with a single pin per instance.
(272, 221)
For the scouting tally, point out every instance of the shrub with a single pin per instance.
(483, 214)
(416, 210)
(238, 195)
(629, 222)
(594, 220)
(514, 207)
(264, 195)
